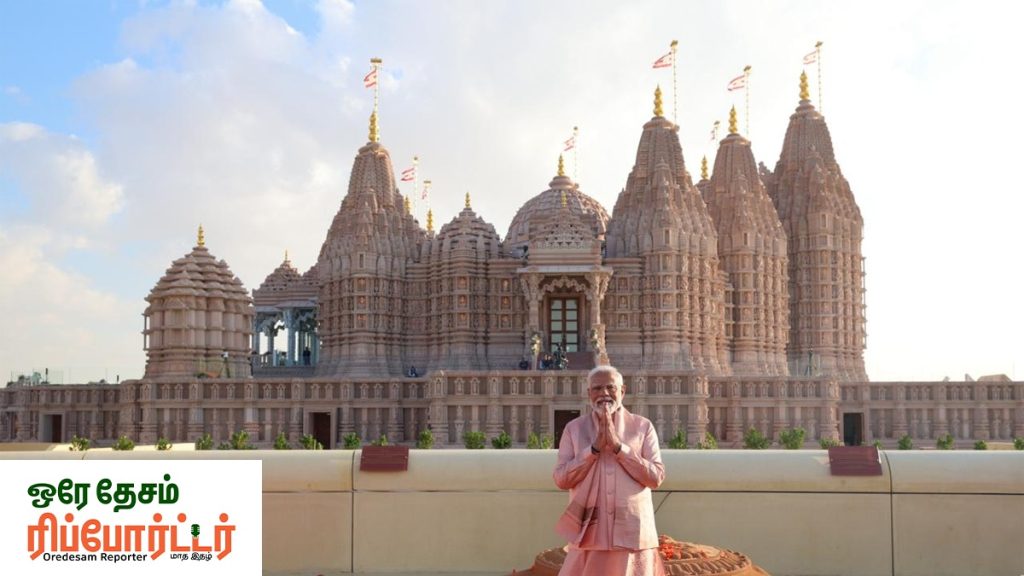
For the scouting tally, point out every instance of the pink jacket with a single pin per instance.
(622, 514)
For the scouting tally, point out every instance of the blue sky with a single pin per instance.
(125, 124)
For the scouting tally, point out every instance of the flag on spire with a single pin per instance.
(663, 62)
(737, 83)
(409, 174)
(370, 80)
(570, 144)
(811, 57)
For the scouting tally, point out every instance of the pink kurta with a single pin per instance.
(610, 532)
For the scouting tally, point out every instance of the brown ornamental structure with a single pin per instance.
(732, 304)
(824, 229)
(198, 321)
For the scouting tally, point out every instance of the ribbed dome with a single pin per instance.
(467, 231)
(199, 320)
(281, 278)
(199, 274)
(543, 207)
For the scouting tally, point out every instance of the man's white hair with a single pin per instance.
(607, 369)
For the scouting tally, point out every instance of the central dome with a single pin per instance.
(540, 209)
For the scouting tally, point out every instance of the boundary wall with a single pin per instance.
(489, 512)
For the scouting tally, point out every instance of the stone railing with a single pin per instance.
(513, 401)
(926, 411)
(929, 513)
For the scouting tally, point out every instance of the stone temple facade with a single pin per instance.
(732, 303)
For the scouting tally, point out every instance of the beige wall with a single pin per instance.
(490, 511)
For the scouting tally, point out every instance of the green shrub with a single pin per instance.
(474, 440)
(678, 442)
(502, 441)
(709, 442)
(240, 441)
(308, 442)
(351, 441)
(204, 442)
(944, 442)
(1018, 443)
(382, 441)
(79, 444)
(754, 440)
(425, 441)
(905, 442)
(224, 446)
(123, 443)
(281, 442)
(163, 444)
(543, 442)
(827, 443)
(792, 438)
(877, 444)
(981, 445)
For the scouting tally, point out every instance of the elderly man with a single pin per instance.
(609, 461)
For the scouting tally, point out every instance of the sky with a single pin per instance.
(125, 124)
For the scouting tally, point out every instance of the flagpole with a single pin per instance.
(817, 50)
(746, 82)
(415, 180)
(376, 64)
(675, 99)
(575, 152)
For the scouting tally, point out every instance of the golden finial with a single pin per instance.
(561, 165)
(805, 94)
(286, 255)
(430, 220)
(732, 121)
(201, 241)
(657, 101)
(565, 200)
(373, 127)
(704, 168)
(408, 205)
(467, 201)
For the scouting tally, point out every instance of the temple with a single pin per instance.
(733, 303)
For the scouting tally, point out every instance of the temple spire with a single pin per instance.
(805, 93)
(430, 220)
(468, 205)
(374, 137)
(561, 165)
(201, 239)
(733, 129)
(408, 205)
(657, 101)
(286, 255)
(704, 168)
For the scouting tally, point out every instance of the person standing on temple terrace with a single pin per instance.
(609, 461)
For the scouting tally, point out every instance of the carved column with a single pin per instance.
(697, 411)
(531, 289)
(437, 392)
(595, 295)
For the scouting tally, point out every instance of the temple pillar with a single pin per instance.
(289, 327)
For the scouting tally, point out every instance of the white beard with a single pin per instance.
(599, 405)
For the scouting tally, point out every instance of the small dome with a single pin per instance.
(540, 209)
(281, 278)
(199, 274)
(466, 231)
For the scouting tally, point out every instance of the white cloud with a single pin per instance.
(54, 319)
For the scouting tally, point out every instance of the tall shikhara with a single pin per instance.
(664, 308)
(362, 271)
(752, 248)
(824, 227)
